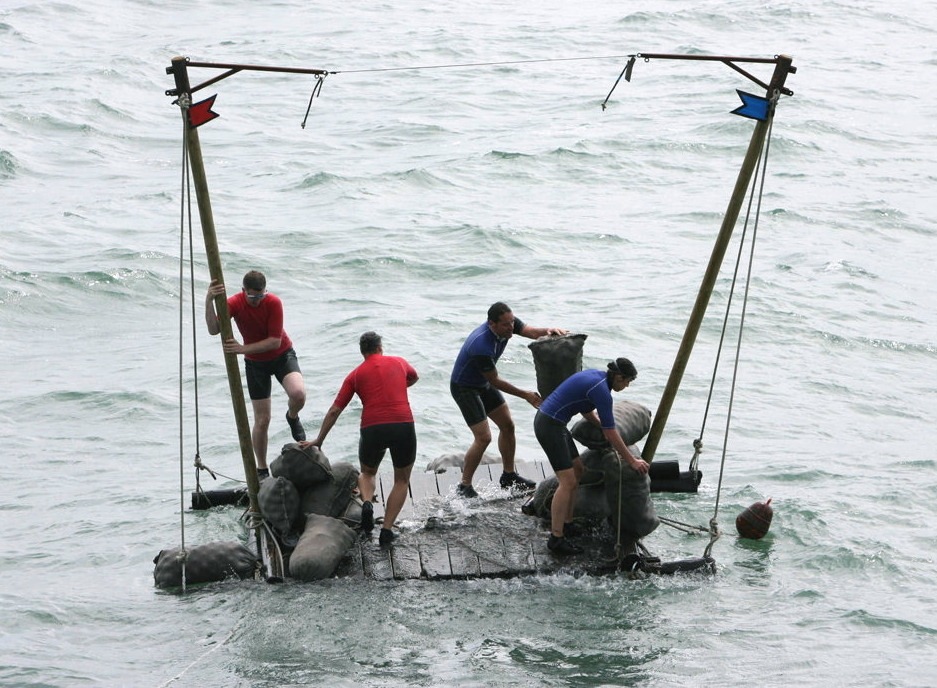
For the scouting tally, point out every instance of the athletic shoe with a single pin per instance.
(466, 491)
(296, 428)
(367, 517)
(386, 537)
(509, 480)
(562, 546)
(263, 473)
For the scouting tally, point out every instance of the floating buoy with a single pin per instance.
(755, 520)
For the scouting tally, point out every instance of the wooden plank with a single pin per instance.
(496, 563)
(376, 560)
(405, 561)
(464, 562)
(446, 482)
(434, 560)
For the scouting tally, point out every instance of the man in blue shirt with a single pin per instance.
(588, 393)
(476, 388)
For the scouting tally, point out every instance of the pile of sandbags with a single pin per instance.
(311, 507)
(609, 488)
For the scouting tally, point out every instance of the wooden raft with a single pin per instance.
(457, 538)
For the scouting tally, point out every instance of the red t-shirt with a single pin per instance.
(381, 382)
(256, 323)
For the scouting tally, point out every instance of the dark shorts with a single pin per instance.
(400, 438)
(259, 373)
(476, 403)
(556, 441)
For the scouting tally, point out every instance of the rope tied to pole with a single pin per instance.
(316, 90)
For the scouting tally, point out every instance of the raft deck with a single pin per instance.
(442, 536)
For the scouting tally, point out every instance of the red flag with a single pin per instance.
(201, 112)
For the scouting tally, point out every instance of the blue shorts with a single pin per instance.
(476, 403)
(258, 373)
(400, 438)
(556, 441)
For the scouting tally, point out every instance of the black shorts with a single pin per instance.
(259, 373)
(400, 438)
(556, 441)
(476, 403)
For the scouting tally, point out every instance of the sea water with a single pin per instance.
(457, 155)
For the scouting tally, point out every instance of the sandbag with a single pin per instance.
(208, 563)
(632, 420)
(302, 466)
(331, 498)
(592, 463)
(591, 501)
(280, 506)
(320, 548)
(629, 498)
(352, 514)
(445, 461)
(555, 359)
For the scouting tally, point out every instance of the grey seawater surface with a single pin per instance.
(410, 202)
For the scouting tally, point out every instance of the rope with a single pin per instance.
(480, 64)
(316, 90)
(759, 181)
(200, 658)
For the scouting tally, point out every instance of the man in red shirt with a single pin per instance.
(268, 352)
(386, 423)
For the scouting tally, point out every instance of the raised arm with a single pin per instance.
(211, 316)
(532, 332)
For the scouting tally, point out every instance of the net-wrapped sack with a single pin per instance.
(320, 548)
(555, 359)
(207, 563)
(632, 420)
(279, 504)
(331, 498)
(629, 498)
(302, 466)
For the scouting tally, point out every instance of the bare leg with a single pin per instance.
(397, 497)
(563, 499)
(577, 472)
(507, 441)
(366, 483)
(295, 389)
(259, 430)
(473, 457)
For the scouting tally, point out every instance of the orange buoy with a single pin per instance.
(755, 520)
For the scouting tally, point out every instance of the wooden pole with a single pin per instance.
(781, 70)
(268, 550)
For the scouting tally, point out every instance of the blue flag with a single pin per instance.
(753, 107)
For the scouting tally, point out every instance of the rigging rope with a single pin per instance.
(756, 200)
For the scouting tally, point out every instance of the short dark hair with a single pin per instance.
(255, 280)
(496, 310)
(370, 342)
(623, 367)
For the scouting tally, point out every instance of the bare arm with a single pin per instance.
(211, 317)
(532, 398)
(532, 332)
(327, 424)
(614, 438)
(232, 346)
